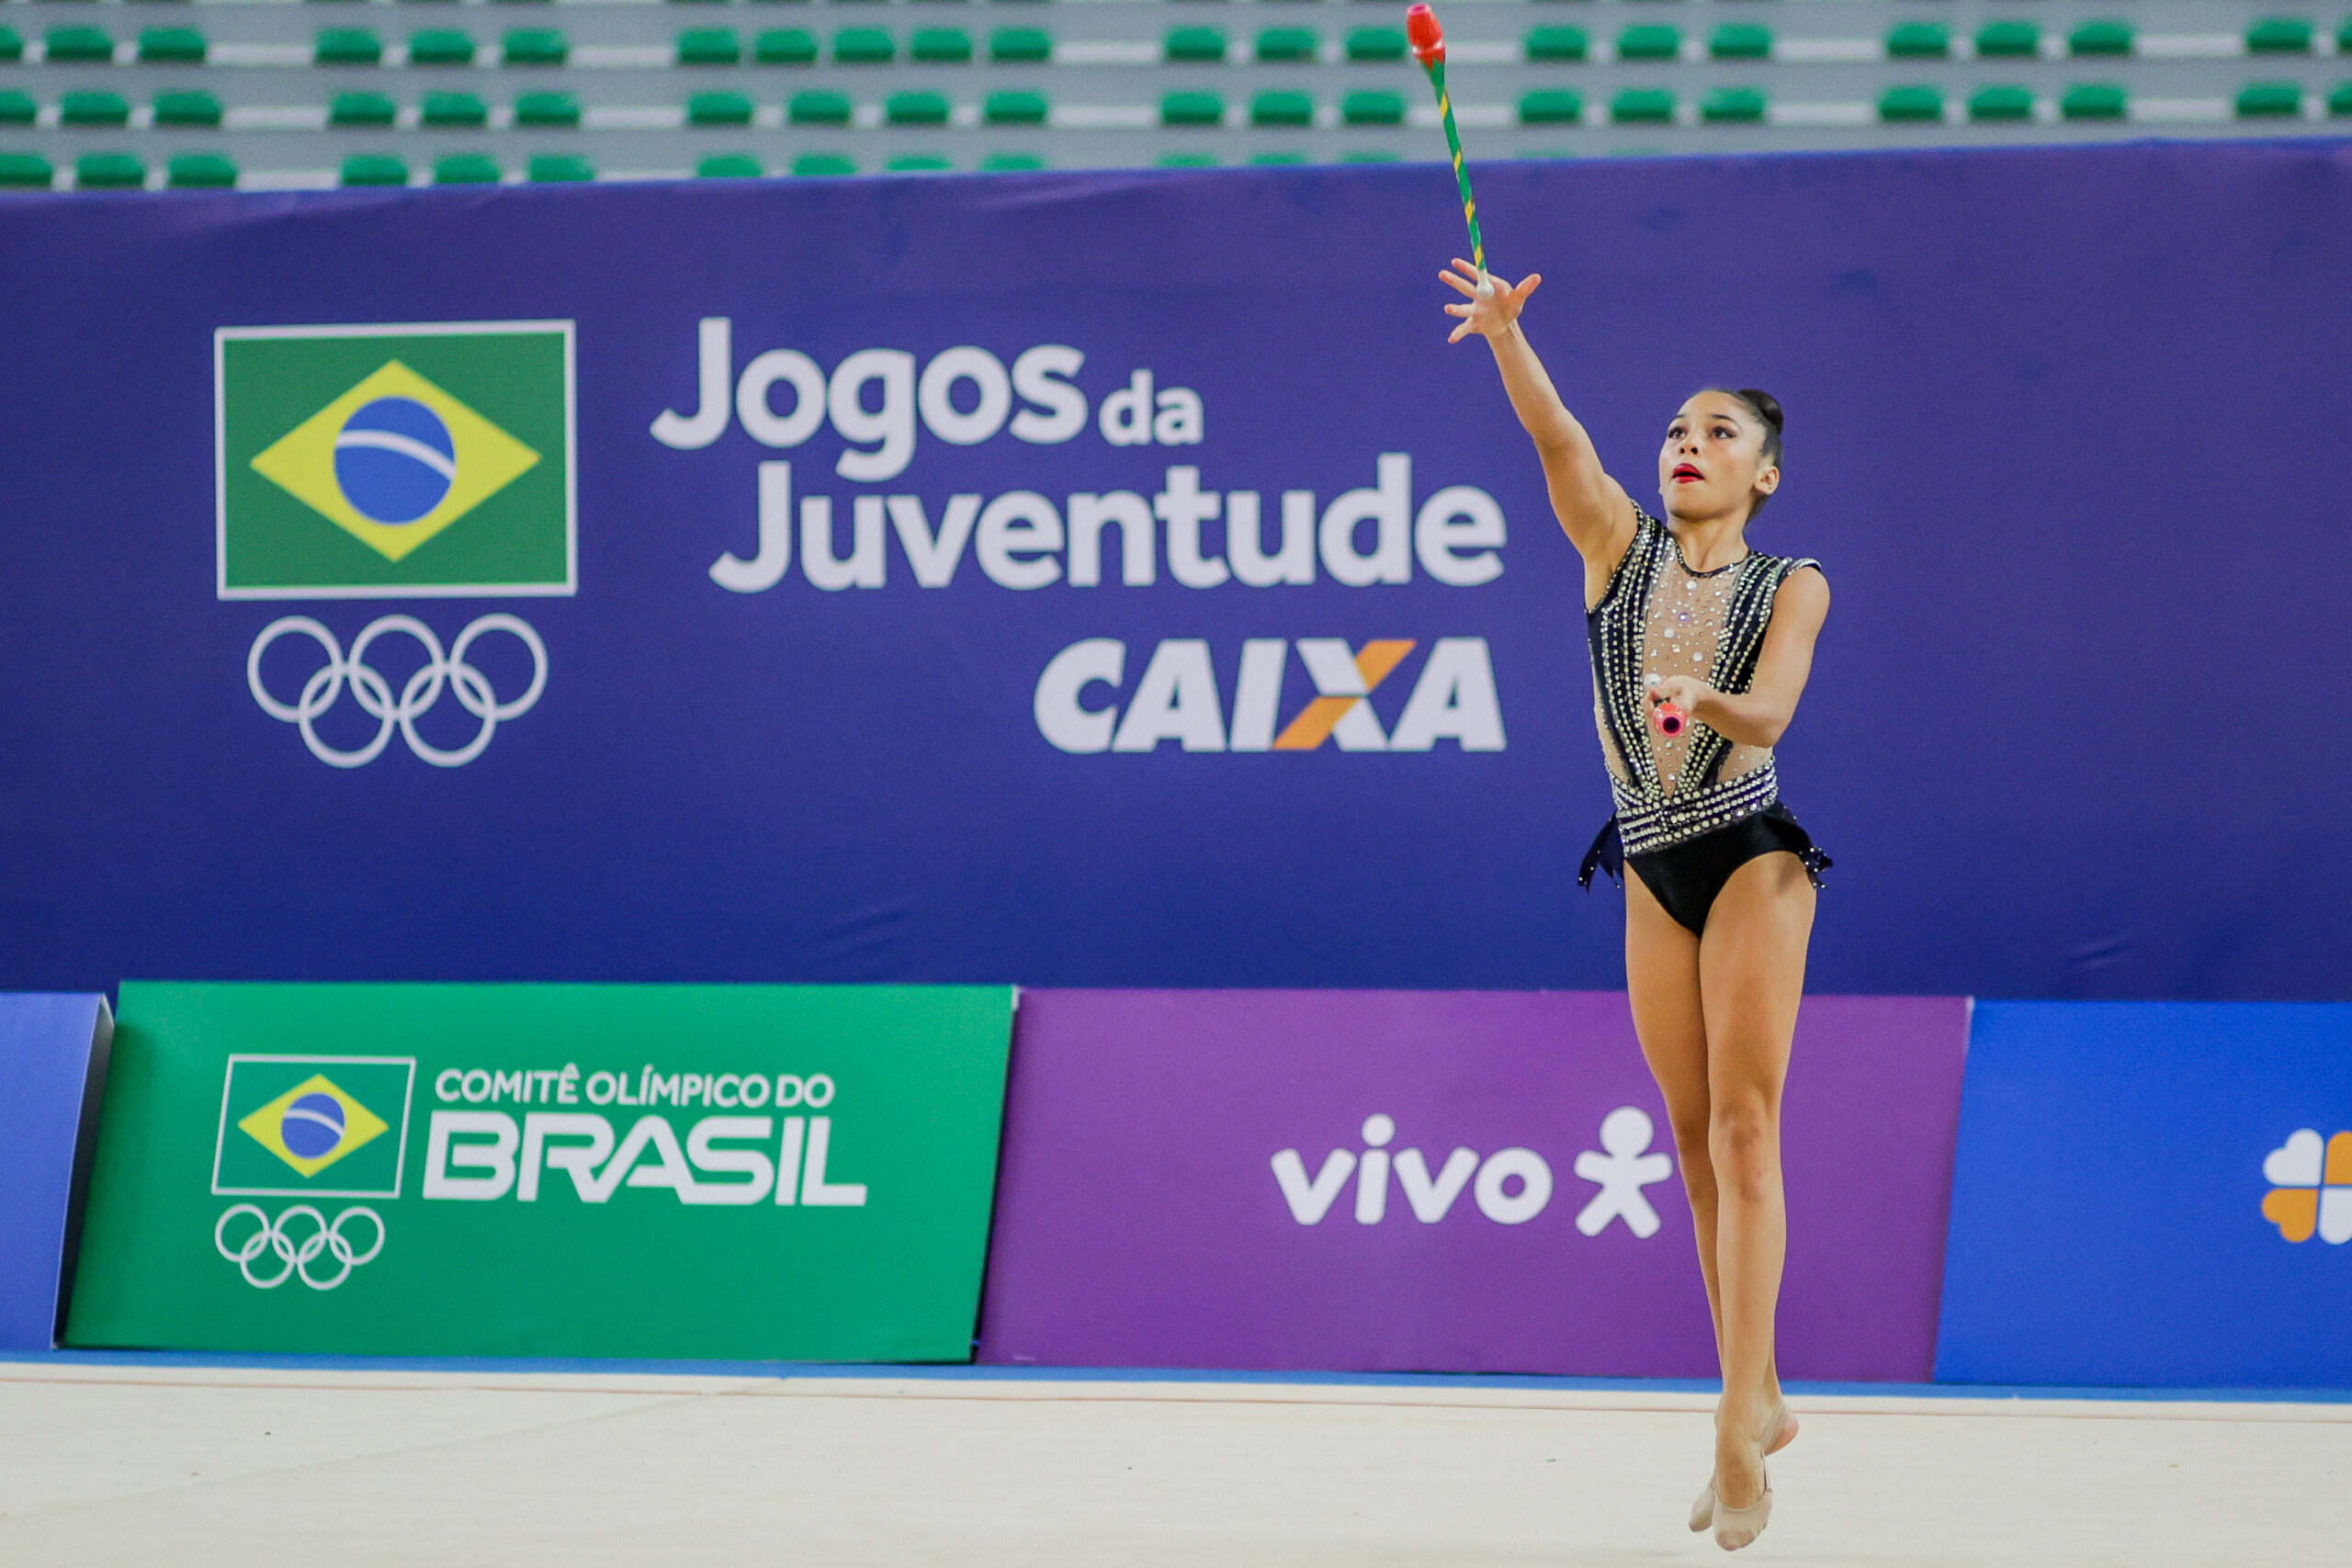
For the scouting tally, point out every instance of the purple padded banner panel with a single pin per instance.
(1460, 1181)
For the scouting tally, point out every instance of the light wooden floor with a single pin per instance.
(196, 1467)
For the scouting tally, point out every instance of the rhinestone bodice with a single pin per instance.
(1659, 617)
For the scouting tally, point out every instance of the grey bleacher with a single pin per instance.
(1735, 75)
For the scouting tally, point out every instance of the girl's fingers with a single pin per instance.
(1461, 285)
(1527, 285)
(1457, 310)
(1457, 333)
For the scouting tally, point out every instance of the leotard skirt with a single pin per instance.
(1686, 877)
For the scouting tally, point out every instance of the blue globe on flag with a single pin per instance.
(312, 1125)
(394, 460)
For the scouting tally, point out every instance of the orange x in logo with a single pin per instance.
(1343, 681)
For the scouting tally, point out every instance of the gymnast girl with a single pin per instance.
(1701, 647)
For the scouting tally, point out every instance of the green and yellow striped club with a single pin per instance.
(1429, 48)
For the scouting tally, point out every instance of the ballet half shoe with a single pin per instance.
(1735, 1528)
(1703, 1511)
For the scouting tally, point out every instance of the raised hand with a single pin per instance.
(1493, 305)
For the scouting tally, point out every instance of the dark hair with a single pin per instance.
(1765, 407)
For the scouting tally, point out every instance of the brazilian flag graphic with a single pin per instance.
(395, 461)
(330, 1127)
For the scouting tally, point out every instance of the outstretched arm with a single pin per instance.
(1593, 507)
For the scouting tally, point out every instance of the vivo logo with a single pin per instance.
(1510, 1187)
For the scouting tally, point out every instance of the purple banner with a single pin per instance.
(1449, 1180)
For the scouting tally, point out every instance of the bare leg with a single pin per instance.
(1751, 979)
(1662, 973)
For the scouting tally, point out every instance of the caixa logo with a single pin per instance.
(1178, 697)
(1510, 1187)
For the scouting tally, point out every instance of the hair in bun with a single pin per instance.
(1765, 407)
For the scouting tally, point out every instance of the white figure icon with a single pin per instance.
(1623, 1172)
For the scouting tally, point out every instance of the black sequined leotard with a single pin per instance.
(1690, 808)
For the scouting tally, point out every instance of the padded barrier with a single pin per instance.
(1464, 1181)
(2158, 1194)
(54, 1056)
(779, 1173)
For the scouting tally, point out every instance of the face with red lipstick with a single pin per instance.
(1713, 464)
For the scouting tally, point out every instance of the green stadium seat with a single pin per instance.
(1557, 44)
(1014, 108)
(729, 166)
(2096, 38)
(1186, 160)
(718, 109)
(1011, 163)
(1370, 155)
(2339, 100)
(2001, 101)
(709, 46)
(1740, 41)
(17, 108)
(820, 165)
(1551, 106)
(1920, 41)
(818, 108)
(1195, 45)
(1287, 46)
(2280, 35)
(191, 108)
(347, 46)
(1375, 46)
(374, 169)
(171, 46)
(93, 108)
(79, 46)
(2270, 100)
(361, 109)
(547, 111)
(786, 46)
(1911, 103)
(1021, 46)
(864, 46)
(2344, 37)
(917, 163)
(940, 46)
(1192, 108)
(110, 170)
(1281, 108)
(1733, 106)
(535, 46)
(200, 171)
(1373, 107)
(2008, 40)
(2094, 100)
(559, 168)
(26, 171)
(1655, 41)
(453, 111)
(466, 169)
(915, 108)
(440, 46)
(1269, 159)
(1642, 106)
(12, 48)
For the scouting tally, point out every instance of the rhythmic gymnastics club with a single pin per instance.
(1429, 48)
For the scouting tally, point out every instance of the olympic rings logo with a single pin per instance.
(297, 1246)
(418, 693)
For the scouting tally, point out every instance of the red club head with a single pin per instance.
(1427, 37)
